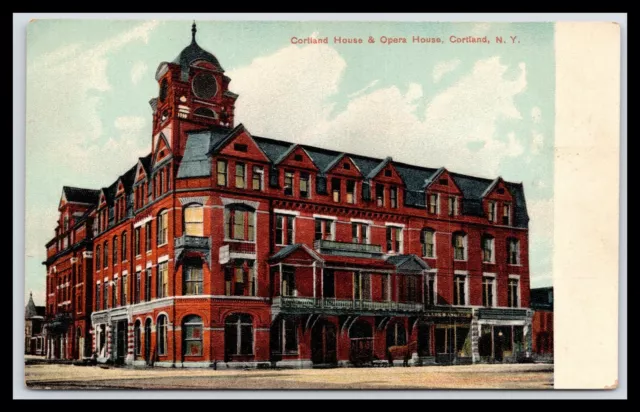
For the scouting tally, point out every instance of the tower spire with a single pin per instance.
(193, 32)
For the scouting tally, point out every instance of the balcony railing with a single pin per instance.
(295, 302)
(195, 242)
(242, 247)
(331, 247)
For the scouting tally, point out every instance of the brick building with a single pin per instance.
(33, 322)
(69, 277)
(542, 323)
(220, 248)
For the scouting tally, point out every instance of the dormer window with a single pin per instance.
(380, 195)
(506, 214)
(304, 185)
(288, 183)
(453, 206)
(335, 189)
(351, 190)
(433, 204)
(240, 175)
(491, 211)
(393, 197)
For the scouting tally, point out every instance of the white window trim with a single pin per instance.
(138, 268)
(368, 222)
(517, 277)
(309, 188)
(493, 251)
(326, 217)
(435, 255)
(261, 173)
(163, 258)
(142, 222)
(494, 287)
(400, 225)
(437, 195)
(464, 273)
(293, 227)
(286, 212)
(434, 273)
(466, 249)
(361, 224)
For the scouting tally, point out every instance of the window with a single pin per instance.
(105, 296)
(408, 288)
(147, 286)
(361, 286)
(284, 229)
(335, 189)
(297, 158)
(288, 281)
(221, 169)
(428, 243)
(430, 289)
(114, 253)
(136, 288)
(386, 287)
(360, 233)
(324, 229)
(491, 211)
(160, 181)
(124, 293)
(346, 166)
(434, 207)
(147, 234)
(459, 246)
(513, 251)
(388, 173)
(304, 185)
(192, 336)
(394, 239)
(163, 228)
(379, 195)
(240, 175)
(97, 257)
(351, 191)
(194, 220)
(288, 183)
(161, 335)
(240, 278)
(487, 249)
(393, 197)
(285, 337)
(98, 301)
(453, 205)
(192, 279)
(114, 293)
(488, 284)
(239, 224)
(124, 246)
(137, 343)
(238, 335)
(506, 214)
(513, 299)
(239, 147)
(459, 290)
(105, 255)
(396, 335)
(258, 178)
(162, 284)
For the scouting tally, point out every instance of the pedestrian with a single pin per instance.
(389, 358)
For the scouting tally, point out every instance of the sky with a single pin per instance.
(480, 109)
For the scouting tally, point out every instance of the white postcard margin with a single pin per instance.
(586, 205)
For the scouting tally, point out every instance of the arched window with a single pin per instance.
(98, 257)
(428, 240)
(204, 112)
(136, 338)
(192, 336)
(238, 334)
(105, 260)
(194, 220)
(163, 228)
(147, 339)
(239, 222)
(115, 250)
(459, 246)
(124, 246)
(396, 335)
(161, 333)
(488, 247)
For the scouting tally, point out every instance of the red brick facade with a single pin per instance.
(258, 252)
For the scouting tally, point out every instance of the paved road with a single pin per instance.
(529, 376)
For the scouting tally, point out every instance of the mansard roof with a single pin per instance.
(196, 162)
(80, 195)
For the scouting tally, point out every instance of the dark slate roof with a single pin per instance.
(197, 163)
(146, 163)
(77, 194)
(285, 251)
(128, 177)
(410, 261)
(31, 310)
(333, 162)
(192, 53)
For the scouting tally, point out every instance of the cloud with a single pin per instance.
(138, 70)
(443, 68)
(541, 220)
(364, 89)
(480, 29)
(537, 142)
(536, 114)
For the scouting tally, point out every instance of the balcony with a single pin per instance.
(295, 304)
(199, 244)
(502, 313)
(331, 247)
(241, 247)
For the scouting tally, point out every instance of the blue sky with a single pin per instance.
(482, 109)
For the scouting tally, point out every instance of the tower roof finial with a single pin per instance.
(193, 32)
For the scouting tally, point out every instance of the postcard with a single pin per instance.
(320, 204)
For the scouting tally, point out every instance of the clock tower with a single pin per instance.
(193, 93)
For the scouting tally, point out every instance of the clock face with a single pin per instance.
(205, 85)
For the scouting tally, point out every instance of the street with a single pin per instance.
(512, 376)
